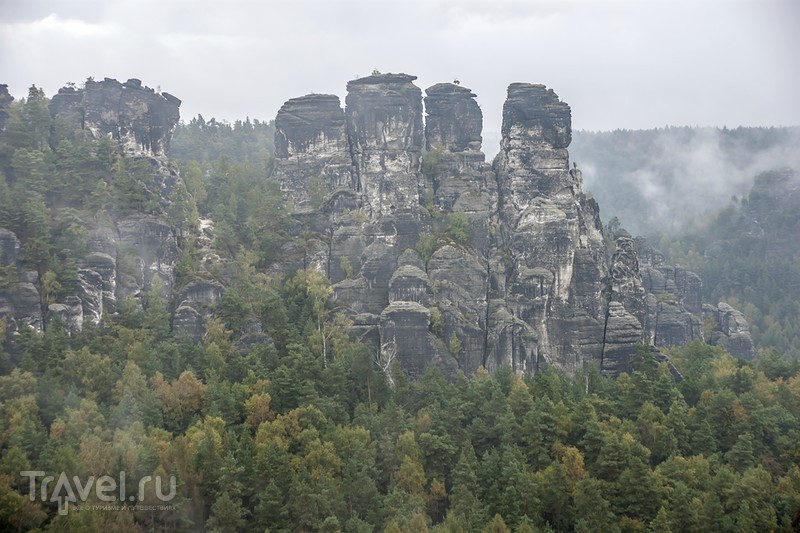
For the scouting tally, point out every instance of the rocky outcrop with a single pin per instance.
(9, 248)
(69, 314)
(436, 256)
(5, 101)
(454, 119)
(675, 313)
(523, 283)
(98, 282)
(20, 303)
(441, 259)
(626, 314)
(20, 306)
(312, 153)
(194, 305)
(554, 275)
(384, 127)
(673, 301)
(150, 251)
(126, 255)
(139, 118)
(731, 330)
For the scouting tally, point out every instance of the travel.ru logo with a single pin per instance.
(106, 489)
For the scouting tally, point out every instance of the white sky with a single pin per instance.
(618, 63)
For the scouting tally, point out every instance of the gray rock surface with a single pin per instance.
(384, 127)
(149, 252)
(675, 312)
(9, 248)
(125, 256)
(5, 101)
(140, 119)
(731, 330)
(528, 285)
(194, 305)
(26, 304)
(625, 319)
(69, 314)
(551, 232)
(454, 120)
(312, 152)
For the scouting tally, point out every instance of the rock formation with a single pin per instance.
(138, 117)
(527, 285)
(312, 151)
(384, 127)
(675, 313)
(731, 330)
(5, 101)
(127, 254)
(526, 282)
(436, 256)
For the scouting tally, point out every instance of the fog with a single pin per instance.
(659, 180)
(618, 63)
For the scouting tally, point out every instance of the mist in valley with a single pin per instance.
(658, 181)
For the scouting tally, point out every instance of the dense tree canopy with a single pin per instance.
(302, 432)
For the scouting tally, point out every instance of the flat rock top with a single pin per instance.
(534, 107)
(378, 79)
(301, 120)
(312, 101)
(448, 89)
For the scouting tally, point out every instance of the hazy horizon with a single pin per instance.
(620, 64)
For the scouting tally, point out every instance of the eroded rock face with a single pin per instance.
(150, 251)
(136, 116)
(554, 279)
(513, 267)
(384, 126)
(5, 101)
(454, 119)
(527, 284)
(674, 299)
(22, 304)
(536, 131)
(194, 305)
(731, 330)
(9, 248)
(126, 256)
(69, 314)
(312, 151)
(624, 326)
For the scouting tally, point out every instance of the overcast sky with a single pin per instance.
(619, 63)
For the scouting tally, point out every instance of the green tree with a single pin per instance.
(592, 510)
(227, 515)
(458, 226)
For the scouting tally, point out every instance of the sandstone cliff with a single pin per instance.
(436, 255)
(5, 100)
(128, 253)
(140, 119)
(526, 283)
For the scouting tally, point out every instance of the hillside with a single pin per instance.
(659, 180)
(748, 254)
(369, 329)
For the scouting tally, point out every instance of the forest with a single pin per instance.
(656, 181)
(306, 433)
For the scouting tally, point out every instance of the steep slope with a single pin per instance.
(441, 258)
(436, 256)
(127, 251)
